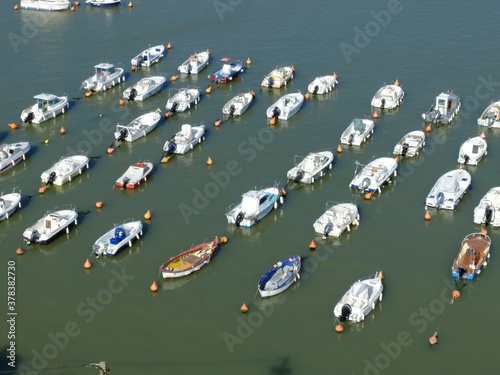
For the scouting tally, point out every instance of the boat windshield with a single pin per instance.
(359, 125)
(448, 184)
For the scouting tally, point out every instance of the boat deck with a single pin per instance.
(473, 253)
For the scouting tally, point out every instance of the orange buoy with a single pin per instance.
(122, 102)
(208, 89)
(339, 148)
(455, 294)
(77, 3)
(307, 96)
(174, 78)
(217, 122)
(165, 159)
(153, 287)
(483, 135)
(42, 189)
(110, 150)
(272, 121)
(147, 215)
(13, 126)
(169, 45)
(244, 307)
(396, 82)
(375, 114)
(283, 192)
(16, 7)
(88, 93)
(72, 8)
(134, 68)
(98, 204)
(293, 68)
(87, 264)
(249, 61)
(335, 75)
(428, 128)
(368, 195)
(209, 161)
(427, 215)
(130, 5)
(225, 59)
(396, 158)
(19, 251)
(223, 239)
(62, 130)
(312, 245)
(339, 328)
(381, 275)
(433, 339)
(168, 114)
(484, 231)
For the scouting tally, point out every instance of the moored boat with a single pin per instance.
(472, 151)
(114, 240)
(138, 128)
(374, 175)
(145, 88)
(278, 77)
(444, 109)
(286, 106)
(448, 190)
(238, 104)
(48, 5)
(47, 106)
(12, 153)
(337, 218)
(136, 174)
(183, 100)
(388, 96)
(106, 76)
(184, 140)
(410, 145)
(65, 169)
(311, 167)
(280, 277)
(488, 210)
(51, 225)
(227, 73)
(195, 63)
(490, 116)
(9, 203)
(358, 132)
(472, 256)
(149, 56)
(322, 85)
(103, 3)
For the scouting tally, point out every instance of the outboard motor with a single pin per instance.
(461, 272)
(365, 184)
(404, 149)
(439, 199)
(491, 120)
(270, 82)
(189, 67)
(174, 107)
(29, 117)
(276, 112)
(382, 103)
(345, 312)
(171, 146)
(35, 235)
(123, 135)
(51, 179)
(466, 159)
(315, 91)
(132, 95)
(239, 218)
(231, 110)
(126, 180)
(299, 175)
(350, 139)
(328, 229)
(488, 215)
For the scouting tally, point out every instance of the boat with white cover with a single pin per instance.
(227, 73)
(138, 128)
(9, 203)
(337, 218)
(358, 131)
(184, 140)
(136, 174)
(374, 175)
(286, 106)
(105, 77)
(48, 5)
(490, 116)
(47, 106)
(444, 109)
(114, 240)
(183, 100)
(145, 88)
(149, 56)
(254, 205)
(51, 225)
(472, 256)
(278, 77)
(487, 212)
(411, 144)
(195, 63)
(360, 299)
(472, 151)
(449, 189)
(311, 167)
(12, 153)
(280, 277)
(388, 96)
(103, 3)
(322, 85)
(65, 169)
(238, 104)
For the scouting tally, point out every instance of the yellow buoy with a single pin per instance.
(396, 82)
(42, 189)
(46, 141)
(147, 215)
(87, 264)
(153, 287)
(72, 8)
(249, 61)
(208, 90)
(244, 307)
(272, 121)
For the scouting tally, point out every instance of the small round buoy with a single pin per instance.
(98, 204)
(225, 59)
(153, 287)
(122, 102)
(42, 189)
(249, 61)
(174, 78)
(72, 8)
(130, 5)
(433, 339)
(46, 141)
(455, 294)
(375, 115)
(483, 135)
(223, 239)
(217, 122)
(110, 150)
(62, 130)
(209, 161)
(484, 231)
(168, 114)
(368, 195)
(134, 68)
(169, 45)
(19, 251)
(165, 159)
(339, 328)
(13, 126)
(283, 192)
(87, 264)
(244, 307)
(16, 7)
(100, 114)
(307, 96)
(208, 89)
(428, 128)
(147, 215)
(88, 93)
(272, 121)
(312, 245)
(427, 215)
(77, 3)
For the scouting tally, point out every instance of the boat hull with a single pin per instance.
(239, 215)
(280, 277)
(11, 154)
(472, 256)
(8, 204)
(65, 170)
(449, 190)
(50, 226)
(113, 241)
(375, 175)
(45, 5)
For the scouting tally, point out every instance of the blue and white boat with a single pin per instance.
(280, 277)
(472, 256)
(149, 56)
(103, 3)
(117, 238)
(227, 73)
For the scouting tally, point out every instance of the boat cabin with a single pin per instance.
(104, 70)
(253, 201)
(443, 102)
(45, 101)
(227, 69)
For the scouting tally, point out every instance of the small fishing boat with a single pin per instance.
(286, 106)
(195, 63)
(488, 210)
(65, 169)
(358, 131)
(103, 3)
(411, 144)
(449, 190)
(12, 153)
(183, 100)
(278, 77)
(184, 140)
(388, 96)
(51, 225)
(323, 85)
(337, 218)
(190, 260)
(238, 104)
(149, 56)
(360, 299)
(444, 109)
(47, 106)
(472, 151)
(311, 167)
(49, 5)
(117, 238)
(105, 77)
(227, 73)
(135, 175)
(145, 88)
(374, 175)
(472, 256)
(491, 116)
(280, 277)
(9, 203)
(254, 205)
(138, 128)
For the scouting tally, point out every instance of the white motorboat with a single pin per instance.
(145, 88)
(12, 153)
(388, 96)
(51, 225)
(195, 63)
(278, 77)
(184, 140)
(360, 299)
(254, 205)
(227, 73)
(449, 190)
(65, 169)
(337, 218)
(117, 238)
(444, 109)
(47, 106)
(286, 106)
(280, 276)
(103, 3)
(238, 104)
(135, 175)
(105, 77)
(374, 175)
(472, 151)
(149, 56)
(322, 85)
(50, 5)
(9, 203)
(183, 100)
(311, 167)
(488, 210)
(358, 131)
(138, 128)
(491, 116)
(411, 144)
